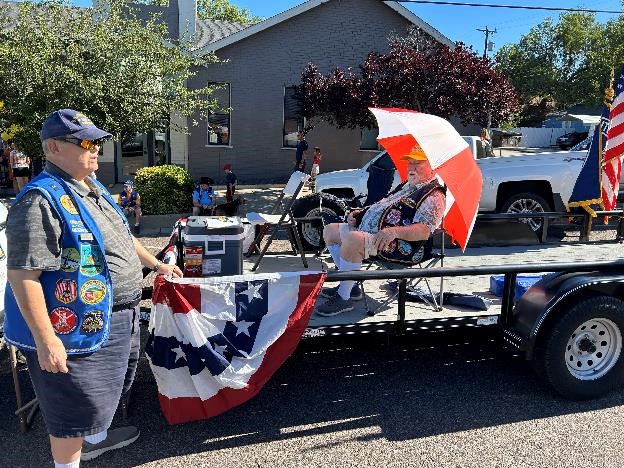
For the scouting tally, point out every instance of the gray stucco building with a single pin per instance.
(260, 64)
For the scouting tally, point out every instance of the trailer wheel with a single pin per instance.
(581, 356)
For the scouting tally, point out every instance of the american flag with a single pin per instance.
(214, 342)
(614, 148)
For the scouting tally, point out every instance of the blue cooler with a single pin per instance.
(523, 283)
(220, 239)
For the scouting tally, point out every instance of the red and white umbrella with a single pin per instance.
(449, 156)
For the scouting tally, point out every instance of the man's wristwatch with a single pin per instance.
(157, 266)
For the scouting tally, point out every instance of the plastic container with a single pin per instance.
(221, 241)
(523, 283)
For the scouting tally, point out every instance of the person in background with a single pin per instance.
(316, 163)
(20, 163)
(7, 171)
(486, 142)
(130, 203)
(203, 197)
(230, 181)
(301, 152)
(74, 287)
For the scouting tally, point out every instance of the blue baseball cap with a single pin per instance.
(68, 122)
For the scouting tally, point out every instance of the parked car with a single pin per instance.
(502, 137)
(568, 140)
(583, 145)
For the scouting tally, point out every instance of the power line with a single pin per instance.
(517, 7)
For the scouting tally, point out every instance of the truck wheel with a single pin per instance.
(311, 232)
(581, 357)
(527, 203)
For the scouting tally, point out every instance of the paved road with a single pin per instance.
(431, 400)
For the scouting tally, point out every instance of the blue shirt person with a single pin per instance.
(203, 197)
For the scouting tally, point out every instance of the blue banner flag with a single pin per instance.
(587, 192)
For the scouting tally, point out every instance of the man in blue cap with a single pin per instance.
(74, 274)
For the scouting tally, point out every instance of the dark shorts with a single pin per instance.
(21, 172)
(84, 401)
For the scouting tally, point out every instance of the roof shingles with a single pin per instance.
(209, 31)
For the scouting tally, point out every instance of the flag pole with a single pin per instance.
(608, 100)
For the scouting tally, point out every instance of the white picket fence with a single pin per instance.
(540, 137)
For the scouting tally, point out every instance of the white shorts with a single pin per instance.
(315, 170)
(369, 246)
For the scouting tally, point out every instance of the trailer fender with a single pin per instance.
(552, 296)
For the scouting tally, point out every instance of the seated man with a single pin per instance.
(395, 229)
(203, 197)
(130, 203)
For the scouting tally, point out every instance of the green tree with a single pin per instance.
(563, 63)
(120, 71)
(224, 10)
(216, 10)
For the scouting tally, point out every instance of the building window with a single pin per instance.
(294, 122)
(219, 119)
(368, 139)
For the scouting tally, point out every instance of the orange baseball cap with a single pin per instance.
(417, 154)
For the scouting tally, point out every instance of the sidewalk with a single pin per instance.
(259, 198)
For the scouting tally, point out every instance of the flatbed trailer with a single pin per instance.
(570, 324)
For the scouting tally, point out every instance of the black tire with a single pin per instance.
(588, 363)
(527, 202)
(311, 232)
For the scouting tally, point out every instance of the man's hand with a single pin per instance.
(384, 238)
(52, 355)
(169, 269)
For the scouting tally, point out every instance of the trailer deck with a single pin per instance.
(449, 315)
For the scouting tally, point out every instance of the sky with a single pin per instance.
(459, 23)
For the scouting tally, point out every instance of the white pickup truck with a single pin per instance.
(516, 184)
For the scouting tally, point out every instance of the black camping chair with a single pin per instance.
(431, 256)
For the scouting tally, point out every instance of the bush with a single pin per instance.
(164, 189)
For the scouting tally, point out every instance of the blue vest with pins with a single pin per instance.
(79, 295)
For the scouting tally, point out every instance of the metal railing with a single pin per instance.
(510, 272)
(548, 216)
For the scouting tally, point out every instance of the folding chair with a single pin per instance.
(431, 257)
(281, 216)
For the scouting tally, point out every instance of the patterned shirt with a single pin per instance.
(429, 213)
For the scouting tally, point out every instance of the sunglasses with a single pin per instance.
(89, 145)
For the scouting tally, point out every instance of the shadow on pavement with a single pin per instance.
(407, 388)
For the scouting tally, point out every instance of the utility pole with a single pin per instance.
(487, 32)
(487, 37)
